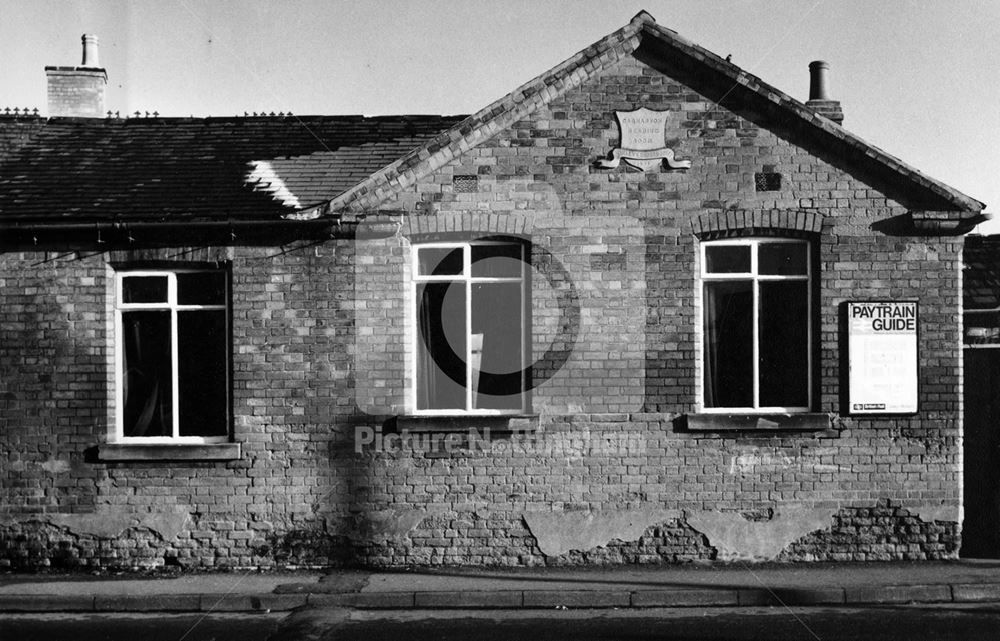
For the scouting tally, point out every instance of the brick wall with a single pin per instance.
(321, 354)
(77, 92)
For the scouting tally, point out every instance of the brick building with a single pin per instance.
(606, 319)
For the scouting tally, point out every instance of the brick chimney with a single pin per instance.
(78, 91)
(819, 98)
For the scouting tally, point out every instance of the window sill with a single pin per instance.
(805, 422)
(169, 452)
(463, 422)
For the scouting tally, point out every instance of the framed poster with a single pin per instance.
(882, 354)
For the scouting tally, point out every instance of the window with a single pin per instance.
(470, 320)
(982, 328)
(172, 371)
(757, 325)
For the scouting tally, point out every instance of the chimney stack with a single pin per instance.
(819, 97)
(78, 91)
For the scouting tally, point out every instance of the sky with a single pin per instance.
(918, 78)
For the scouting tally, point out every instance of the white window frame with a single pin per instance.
(756, 278)
(173, 307)
(466, 280)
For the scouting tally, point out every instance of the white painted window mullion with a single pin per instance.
(467, 274)
(809, 325)
(756, 324)
(119, 361)
(525, 339)
(174, 356)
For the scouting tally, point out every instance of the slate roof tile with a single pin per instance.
(159, 168)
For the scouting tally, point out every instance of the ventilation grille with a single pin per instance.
(767, 181)
(465, 184)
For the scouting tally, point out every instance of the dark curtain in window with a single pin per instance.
(728, 336)
(496, 323)
(784, 344)
(202, 373)
(441, 346)
(146, 379)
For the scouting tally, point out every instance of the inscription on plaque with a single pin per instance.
(643, 142)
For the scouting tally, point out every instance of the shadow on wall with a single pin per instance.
(981, 482)
(53, 382)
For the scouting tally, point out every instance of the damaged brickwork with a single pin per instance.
(885, 532)
(672, 541)
(303, 493)
(34, 545)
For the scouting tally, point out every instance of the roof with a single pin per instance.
(152, 169)
(87, 169)
(702, 70)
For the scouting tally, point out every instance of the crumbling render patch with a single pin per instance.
(737, 538)
(55, 465)
(558, 533)
(931, 513)
(110, 523)
(383, 524)
(377, 525)
(107, 540)
(756, 461)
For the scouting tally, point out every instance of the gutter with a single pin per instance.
(947, 222)
(267, 231)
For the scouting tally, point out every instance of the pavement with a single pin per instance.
(690, 585)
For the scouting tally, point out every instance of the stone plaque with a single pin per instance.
(643, 140)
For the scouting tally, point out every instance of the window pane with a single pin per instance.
(496, 261)
(144, 289)
(982, 328)
(441, 346)
(440, 261)
(497, 346)
(201, 288)
(782, 259)
(784, 344)
(202, 364)
(146, 379)
(727, 259)
(729, 344)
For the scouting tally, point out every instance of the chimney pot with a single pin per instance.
(817, 80)
(819, 96)
(90, 55)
